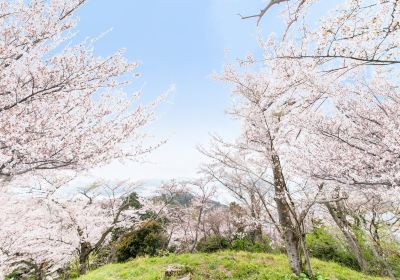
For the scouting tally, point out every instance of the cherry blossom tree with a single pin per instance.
(61, 106)
(324, 100)
(241, 172)
(90, 218)
(376, 213)
(265, 107)
(189, 211)
(50, 231)
(27, 235)
(368, 221)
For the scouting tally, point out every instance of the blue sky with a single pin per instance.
(177, 42)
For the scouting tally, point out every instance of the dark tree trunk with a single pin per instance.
(306, 255)
(84, 253)
(38, 269)
(39, 275)
(258, 234)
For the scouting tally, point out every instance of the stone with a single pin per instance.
(175, 270)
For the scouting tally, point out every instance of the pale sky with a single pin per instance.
(181, 43)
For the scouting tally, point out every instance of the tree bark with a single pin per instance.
(306, 255)
(289, 232)
(39, 273)
(197, 229)
(84, 253)
(257, 232)
(339, 217)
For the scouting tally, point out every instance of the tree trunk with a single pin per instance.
(258, 234)
(377, 249)
(84, 257)
(339, 217)
(39, 274)
(112, 257)
(293, 252)
(169, 238)
(306, 255)
(289, 232)
(197, 229)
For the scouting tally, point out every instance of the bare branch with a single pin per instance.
(263, 11)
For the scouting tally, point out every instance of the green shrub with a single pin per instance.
(325, 246)
(394, 262)
(247, 244)
(212, 244)
(149, 239)
(13, 276)
(241, 244)
(375, 266)
(217, 242)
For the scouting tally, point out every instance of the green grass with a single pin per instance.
(220, 265)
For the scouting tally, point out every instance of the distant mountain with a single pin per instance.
(185, 199)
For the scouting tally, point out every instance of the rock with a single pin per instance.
(187, 277)
(176, 270)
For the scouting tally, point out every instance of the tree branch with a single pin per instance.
(263, 11)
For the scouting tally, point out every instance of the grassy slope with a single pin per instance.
(220, 265)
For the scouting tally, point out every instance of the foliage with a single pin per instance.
(238, 243)
(17, 275)
(394, 262)
(325, 246)
(222, 265)
(391, 250)
(147, 240)
(212, 244)
(247, 244)
(132, 201)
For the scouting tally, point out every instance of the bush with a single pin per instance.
(247, 244)
(218, 242)
(212, 244)
(325, 246)
(147, 240)
(394, 262)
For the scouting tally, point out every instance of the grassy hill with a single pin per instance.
(220, 265)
